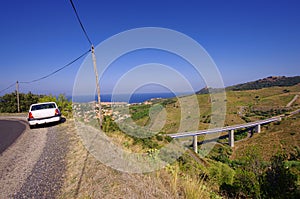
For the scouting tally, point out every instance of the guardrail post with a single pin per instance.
(195, 144)
(258, 128)
(231, 138)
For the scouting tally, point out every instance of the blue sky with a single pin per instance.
(247, 40)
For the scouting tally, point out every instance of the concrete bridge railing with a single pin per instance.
(229, 129)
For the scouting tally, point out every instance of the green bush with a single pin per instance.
(221, 173)
(147, 143)
(168, 139)
(159, 137)
(253, 179)
(239, 135)
(222, 154)
(278, 181)
(8, 102)
(245, 185)
(190, 167)
(108, 125)
(246, 119)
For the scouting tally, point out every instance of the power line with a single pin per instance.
(46, 76)
(94, 63)
(13, 84)
(82, 27)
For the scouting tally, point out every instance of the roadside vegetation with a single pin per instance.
(264, 165)
(8, 102)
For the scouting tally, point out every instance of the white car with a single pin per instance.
(42, 113)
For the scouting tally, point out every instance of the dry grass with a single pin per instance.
(276, 137)
(195, 189)
(238, 104)
(86, 177)
(185, 186)
(125, 142)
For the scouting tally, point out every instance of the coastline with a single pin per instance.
(125, 98)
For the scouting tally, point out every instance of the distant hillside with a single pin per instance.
(203, 91)
(207, 90)
(266, 82)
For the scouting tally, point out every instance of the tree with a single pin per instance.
(64, 105)
(245, 185)
(253, 161)
(47, 98)
(8, 102)
(279, 181)
(247, 175)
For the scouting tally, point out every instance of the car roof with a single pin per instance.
(42, 103)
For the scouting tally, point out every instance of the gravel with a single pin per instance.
(34, 166)
(17, 162)
(47, 175)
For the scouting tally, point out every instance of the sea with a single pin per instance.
(134, 98)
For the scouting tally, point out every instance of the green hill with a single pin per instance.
(245, 170)
(264, 165)
(266, 83)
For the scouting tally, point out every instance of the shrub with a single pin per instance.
(279, 181)
(8, 102)
(221, 154)
(168, 139)
(245, 185)
(221, 173)
(108, 125)
(147, 143)
(159, 138)
(246, 119)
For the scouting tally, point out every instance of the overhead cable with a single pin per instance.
(44, 77)
(8, 87)
(82, 27)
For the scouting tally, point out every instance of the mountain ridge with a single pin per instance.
(266, 82)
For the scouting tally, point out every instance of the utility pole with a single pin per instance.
(98, 87)
(18, 99)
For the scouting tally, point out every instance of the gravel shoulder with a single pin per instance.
(33, 166)
(52, 162)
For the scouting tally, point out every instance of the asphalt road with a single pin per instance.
(9, 131)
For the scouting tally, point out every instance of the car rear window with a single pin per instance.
(42, 106)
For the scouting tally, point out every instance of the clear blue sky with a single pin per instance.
(247, 40)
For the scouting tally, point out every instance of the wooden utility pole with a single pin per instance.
(18, 98)
(98, 87)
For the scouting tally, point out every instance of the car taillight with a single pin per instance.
(30, 116)
(57, 112)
